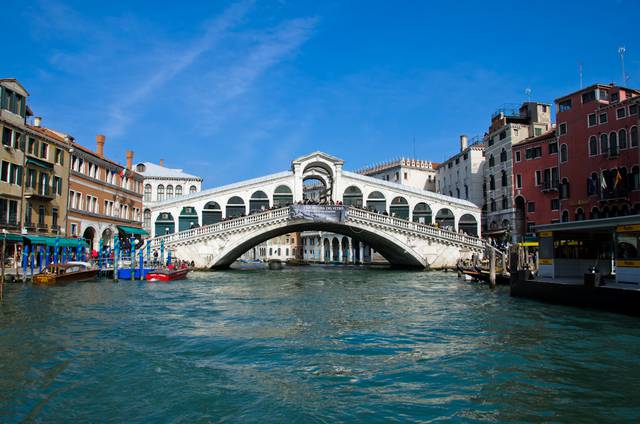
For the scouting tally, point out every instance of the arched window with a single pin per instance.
(593, 145)
(634, 136)
(399, 207)
(492, 182)
(377, 202)
(282, 196)
(169, 191)
(178, 190)
(604, 144)
(466, 191)
(622, 138)
(160, 195)
(457, 192)
(505, 203)
(422, 213)
(258, 201)
(147, 192)
(146, 223)
(613, 144)
(579, 214)
(564, 154)
(192, 189)
(352, 197)
(211, 213)
(635, 178)
(564, 189)
(492, 161)
(504, 179)
(565, 216)
(235, 207)
(503, 155)
(493, 205)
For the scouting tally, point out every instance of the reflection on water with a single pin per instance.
(310, 345)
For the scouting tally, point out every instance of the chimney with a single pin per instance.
(129, 159)
(100, 145)
(161, 162)
(37, 121)
(463, 142)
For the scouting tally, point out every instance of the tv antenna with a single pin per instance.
(527, 91)
(621, 51)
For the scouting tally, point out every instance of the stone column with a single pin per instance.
(361, 251)
(351, 255)
(322, 249)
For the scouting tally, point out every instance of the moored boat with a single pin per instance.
(168, 274)
(70, 272)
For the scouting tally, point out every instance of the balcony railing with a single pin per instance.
(9, 222)
(42, 227)
(550, 185)
(31, 192)
(55, 229)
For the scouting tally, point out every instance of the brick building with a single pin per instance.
(597, 131)
(105, 198)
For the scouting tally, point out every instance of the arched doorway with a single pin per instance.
(352, 197)
(399, 208)
(322, 176)
(282, 196)
(188, 218)
(211, 213)
(326, 245)
(422, 213)
(468, 224)
(314, 190)
(107, 237)
(165, 224)
(258, 201)
(445, 219)
(345, 249)
(565, 216)
(89, 234)
(235, 207)
(335, 249)
(377, 202)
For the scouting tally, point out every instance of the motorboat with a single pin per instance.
(69, 272)
(167, 274)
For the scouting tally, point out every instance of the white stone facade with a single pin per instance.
(420, 174)
(462, 175)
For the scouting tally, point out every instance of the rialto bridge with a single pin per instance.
(408, 226)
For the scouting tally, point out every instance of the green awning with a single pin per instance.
(132, 230)
(51, 241)
(40, 163)
(11, 237)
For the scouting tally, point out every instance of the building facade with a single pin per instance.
(105, 198)
(536, 183)
(161, 183)
(508, 126)
(462, 174)
(597, 132)
(34, 176)
(420, 174)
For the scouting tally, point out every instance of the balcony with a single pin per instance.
(42, 227)
(550, 186)
(55, 229)
(36, 194)
(9, 223)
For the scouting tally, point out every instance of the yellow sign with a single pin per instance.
(545, 234)
(628, 228)
(628, 263)
(545, 261)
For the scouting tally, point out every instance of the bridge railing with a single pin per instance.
(206, 230)
(280, 213)
(416, 227)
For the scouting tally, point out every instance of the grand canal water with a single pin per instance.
(310, 345)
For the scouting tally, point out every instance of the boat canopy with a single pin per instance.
(132, 230)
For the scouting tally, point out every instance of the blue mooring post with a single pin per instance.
(56, 247)
(46, 257)
(132, 252)
(148, 253)
(32, 259)
(141, 253)
(64, 255)
(25, 260)
(115, 259)
(100, 247)
(162, 252)
(41, 259)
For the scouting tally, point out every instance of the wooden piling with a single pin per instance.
(492, 267)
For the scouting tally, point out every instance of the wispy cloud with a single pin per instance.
(121, 112)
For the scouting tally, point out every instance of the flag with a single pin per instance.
(603, 182)
(618, 179)
(123, 172)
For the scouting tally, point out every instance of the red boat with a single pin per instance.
(168, 274)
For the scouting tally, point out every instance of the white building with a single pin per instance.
(507, 128)
(162, 183)
(462, 174)
(414, 173)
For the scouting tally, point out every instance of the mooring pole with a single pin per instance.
(492, 267)
(4, 245)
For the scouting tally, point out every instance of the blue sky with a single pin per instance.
(232, 90)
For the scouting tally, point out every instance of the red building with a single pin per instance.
(536, 182)
(587, 167)
(597, 132)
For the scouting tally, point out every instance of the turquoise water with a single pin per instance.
(310, 345)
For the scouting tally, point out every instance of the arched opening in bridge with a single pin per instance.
(314, 189)
(259, 201)
(188, 218)
(422, 213)
(321, 172)
(445, 219)
(89, 234)
(165, 224)
(377, 202)
(327, 250)
(282, 196)
(352, 197)
(345, 249)
(235, 207)
(107, 237)
(335, 249)
(468, 224)
(520, 217)
(399, 208)
(211, 213)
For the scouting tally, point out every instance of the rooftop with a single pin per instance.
(408, 162)
(159, 171)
